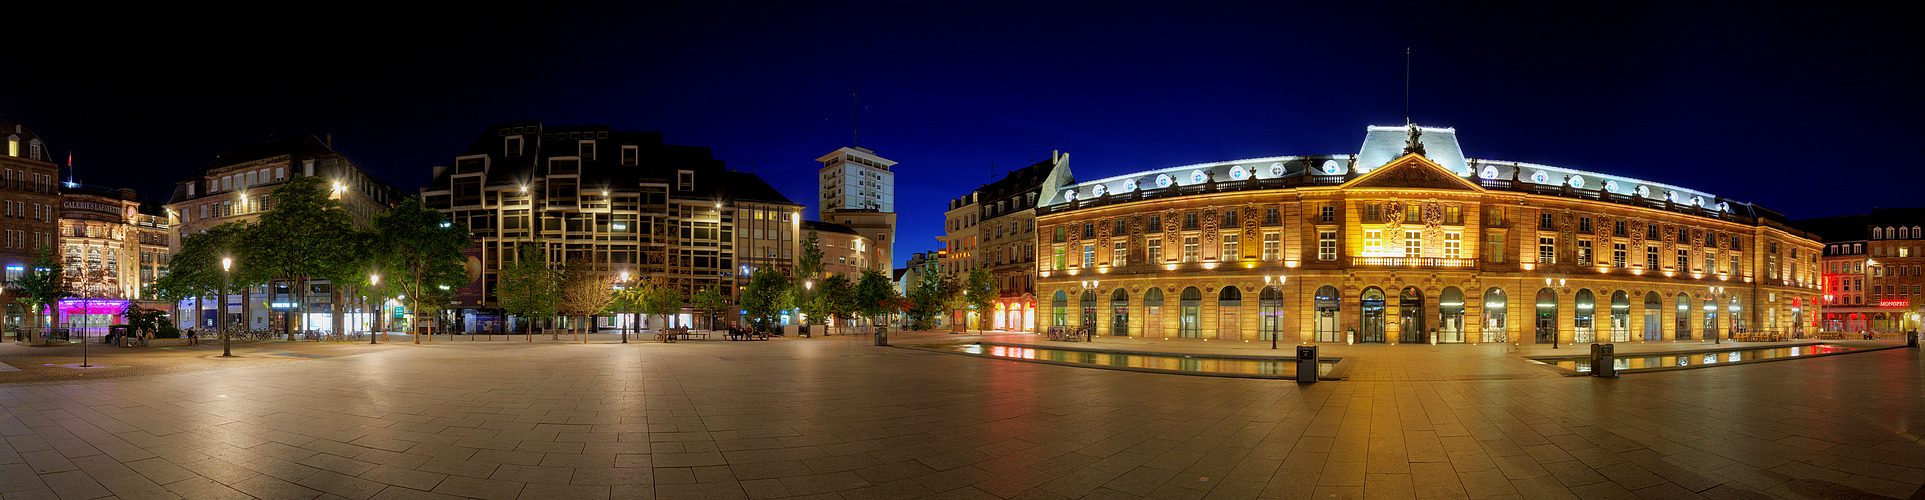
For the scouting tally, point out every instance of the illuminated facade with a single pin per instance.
(1408, 241)
(620, 201)
(844, 251)
(857, 190)
(112, 244)
(1874, 272)
(29, 225)
(994, 228)
(238, 186)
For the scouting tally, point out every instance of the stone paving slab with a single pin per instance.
(837, 417)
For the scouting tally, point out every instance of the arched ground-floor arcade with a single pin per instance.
(1396, 307)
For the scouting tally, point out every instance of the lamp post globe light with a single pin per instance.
(227, 347)
(374, 280)
(619, 285)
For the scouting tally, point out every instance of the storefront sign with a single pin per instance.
(1894, 303)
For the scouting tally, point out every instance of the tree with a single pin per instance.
(808, 267)
(979, 293)
(420, 253)
(527, 288)
(628, 300)
(765, 297)
(710, 301)
(584, 292)
(306, 235)
(43, 285)
(929, 298)
(873, 295)
(836, 297)
(195, 271)
(660, 297)
(143, 319)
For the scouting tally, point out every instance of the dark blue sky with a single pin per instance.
(1810, 111)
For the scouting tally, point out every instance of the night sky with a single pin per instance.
(1806, 111)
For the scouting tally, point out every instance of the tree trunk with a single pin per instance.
(335, 305)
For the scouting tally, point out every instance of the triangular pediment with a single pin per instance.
(1413, 171)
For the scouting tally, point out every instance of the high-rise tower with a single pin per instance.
(859, 191)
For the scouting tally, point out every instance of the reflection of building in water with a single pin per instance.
(1410, 241)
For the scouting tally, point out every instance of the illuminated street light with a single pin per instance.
(227, 346)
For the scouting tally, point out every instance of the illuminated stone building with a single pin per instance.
(858, 191)
(29, 225)
(114, 240)
(994, 227)
(844, 251)
(1874, 270)
(1408, 241)
(238, 186)
(620, 201)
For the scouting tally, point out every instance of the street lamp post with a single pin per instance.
(620, 285)
(374, 281)
(227, 347)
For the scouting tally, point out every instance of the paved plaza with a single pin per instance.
(836, 417)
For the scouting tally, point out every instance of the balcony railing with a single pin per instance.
(1412, 262)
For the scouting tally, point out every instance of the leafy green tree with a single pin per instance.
(527, 288)
(43, 285)
(929, 298)
(837, 298)
(144, 319)
(418, 251)
(765, 297)
(660, 297)
(628, 299)
(195, 271)
(710, 301)
(808, 269)
(979, 292)
(305, 236)
(873, 295)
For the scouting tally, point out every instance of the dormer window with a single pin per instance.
(588, 150)
(630, 155)
(511, 147)
(684, 180)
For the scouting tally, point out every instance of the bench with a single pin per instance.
(746, 334)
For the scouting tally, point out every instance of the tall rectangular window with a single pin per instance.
(1232, 249)
(1684, 260)
(1373, 242)
(1413, 244)
(1546, 222)
(1373, 213)
(1617, 228)
(1546, 250)
(1272, 246)
(1189, 220)
(1651, 232)
(1584, 252)
(1272, 216)
(1120, 255)
(1153, 225)
(1651, 257)
(1326, 245)
(1156, 250)
(1453, 215)
(1734, 266)
(1327, 214)
(1089, 256)
(1230, 218)
(1453, 245)
(1584, 224)
(1190, 249)
(1494, 247)
(1058, 262)
(1710, 262)
(1617, 255)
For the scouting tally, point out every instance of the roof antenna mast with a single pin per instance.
(855, 115)
(1407, 86)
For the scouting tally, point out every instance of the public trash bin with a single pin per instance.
(1604, 361)
(882, 335)
(1307, 364)
(1911, 338)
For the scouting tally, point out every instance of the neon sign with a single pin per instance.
(1894, 303)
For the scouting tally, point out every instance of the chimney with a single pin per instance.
(330, 141)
